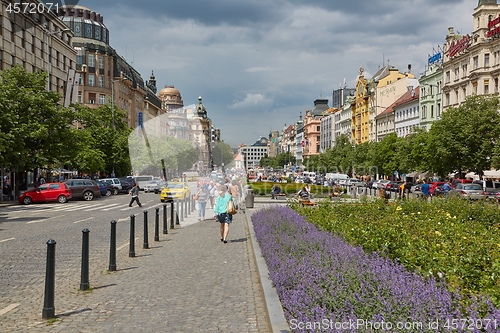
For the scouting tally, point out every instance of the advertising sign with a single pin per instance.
(460, 46)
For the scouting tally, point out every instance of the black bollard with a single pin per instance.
(84, 282)
(189, 205)
(157, 224)
(182, 204)
(172, 215)
(193, 203)
(145, 245)
(112, 247)
(48, 311)
(131, 251)
(177, 212)
(165, 230)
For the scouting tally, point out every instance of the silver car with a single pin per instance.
(468, 191)
(154, 186)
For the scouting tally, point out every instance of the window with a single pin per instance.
(424, 112)
(91, 80)
(101, 81)
(457, 73)
(92, 98)
(317, 128)
(79, 97)
(102, 99)
(101, 62)
(475, 61)
(486, 86)
(474, 88)
(448, 77)
(487, 60)
(464, 70)
(91, 60)
(438, 111)
(432, 111)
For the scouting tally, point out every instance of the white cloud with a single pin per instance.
(252, 101)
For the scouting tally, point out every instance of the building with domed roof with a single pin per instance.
(103, 76)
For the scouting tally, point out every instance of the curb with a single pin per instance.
(277, 321)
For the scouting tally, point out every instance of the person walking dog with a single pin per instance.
(134, 193)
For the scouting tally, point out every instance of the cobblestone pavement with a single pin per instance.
(189, 281)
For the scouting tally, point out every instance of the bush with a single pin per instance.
(322, 279)
(452, 240)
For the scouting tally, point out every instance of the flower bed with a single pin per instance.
(325, 284)
(449, 239)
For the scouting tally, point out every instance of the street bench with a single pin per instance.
(308, 203)
(280, 196)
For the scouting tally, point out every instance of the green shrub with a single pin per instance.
(450, 239)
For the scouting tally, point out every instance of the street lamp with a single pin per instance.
(113, 115)
(49, 64)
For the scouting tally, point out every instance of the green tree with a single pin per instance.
(34, 128)
(464, 138)
(222, 153)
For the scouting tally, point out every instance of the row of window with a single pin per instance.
(461, 71)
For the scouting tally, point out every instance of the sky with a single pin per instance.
(258, 64)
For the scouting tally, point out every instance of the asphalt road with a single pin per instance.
(25, 230)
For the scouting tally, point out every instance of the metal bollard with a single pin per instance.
(177, 212)
(131, 251)
(193, 204)
(157, 224)
(145, 245)
(48, 311)
(112, 247)
(165, 230)
(189, 205)
(84, 282)
(172, 215)
(183, 208)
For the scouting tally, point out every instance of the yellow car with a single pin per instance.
(174, 191)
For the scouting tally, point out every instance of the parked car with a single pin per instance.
(105, 188)
(460, 181)
(394, 186)
(468, 191)
(143, 180)
(416, 188)
(47, 192)
(127, 184)
(85, 189)
(382, 183)
(355, 182)
(435, 185)
(174, 191)
(115, 182)
(154, 186)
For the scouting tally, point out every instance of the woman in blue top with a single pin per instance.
(220, 212)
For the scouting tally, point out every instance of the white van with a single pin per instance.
(142, 180)
(337, 178)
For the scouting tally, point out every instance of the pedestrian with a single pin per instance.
(220, 212)
(212, 189)
(426, 190)
(402, 188)
(235, 191)
(446, 188)
(274, 191)
(202, 197)
(134, 193)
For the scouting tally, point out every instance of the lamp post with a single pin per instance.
(49, 63)
(113, 115)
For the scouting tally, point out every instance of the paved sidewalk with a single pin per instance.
(189, 282)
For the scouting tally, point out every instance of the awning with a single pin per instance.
(492, 174)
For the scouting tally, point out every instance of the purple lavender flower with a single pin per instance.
(325, 284)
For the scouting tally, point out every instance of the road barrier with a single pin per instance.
(112, 247)
(145, 245)
(84, 281)
(48, 311)
(131, 251)
(157, 224)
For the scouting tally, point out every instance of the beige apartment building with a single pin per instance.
(471, 62)
(38, 41)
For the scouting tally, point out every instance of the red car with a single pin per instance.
(45, 193)
(435, 185)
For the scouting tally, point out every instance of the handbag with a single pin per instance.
(230, 209)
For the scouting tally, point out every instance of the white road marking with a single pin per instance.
(43, 220)
(124, 245)
(9, 308)
(110, 207)
(90, 218)
(6, 240)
